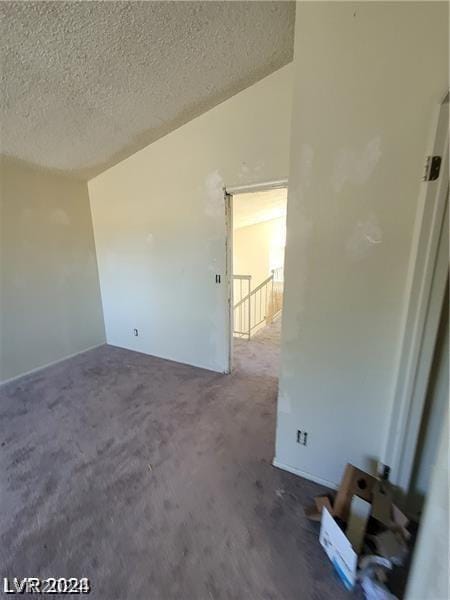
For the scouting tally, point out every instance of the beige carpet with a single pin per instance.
(154, 479)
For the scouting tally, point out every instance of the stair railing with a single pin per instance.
(263, 303)
(241, 294)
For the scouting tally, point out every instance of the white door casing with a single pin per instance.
(427, 279)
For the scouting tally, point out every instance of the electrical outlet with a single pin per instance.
(302, 437)
(135, 332)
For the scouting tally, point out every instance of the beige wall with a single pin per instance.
(259, 248)
(50, 298)
(368, 76)
(159, 223)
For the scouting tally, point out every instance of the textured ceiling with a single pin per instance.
(85, 84)
(257, 207)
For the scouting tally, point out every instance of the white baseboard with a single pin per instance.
(50, 364)
(304, 474)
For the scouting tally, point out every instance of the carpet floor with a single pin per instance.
(154, 479)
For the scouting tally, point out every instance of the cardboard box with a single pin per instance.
(339, 549)
(344, 523)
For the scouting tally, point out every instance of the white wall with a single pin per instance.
(368, 76)
(435, 408)
(49, 292)
(259, 248)
(430, 576)
(159, 223)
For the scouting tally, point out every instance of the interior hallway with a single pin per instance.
(154, 479)
(261, 355)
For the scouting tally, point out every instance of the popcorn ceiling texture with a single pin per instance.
(86, 84)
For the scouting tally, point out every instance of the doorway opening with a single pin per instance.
(257, 239)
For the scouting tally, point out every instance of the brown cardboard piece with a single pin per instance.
(400, 522)
(392, 546)
(382, 503)
(387, 513)
(357, 522)
(354, 482)
(314, 513)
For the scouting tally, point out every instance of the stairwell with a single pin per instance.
(255, 308)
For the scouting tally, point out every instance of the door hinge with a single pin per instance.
(432, 168)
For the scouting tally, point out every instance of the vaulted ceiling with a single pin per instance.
(85, 84)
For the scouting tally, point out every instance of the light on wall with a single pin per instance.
(277, 245)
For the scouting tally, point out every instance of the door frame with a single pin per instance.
(427, 277)
(229, 192)
(229, 274)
